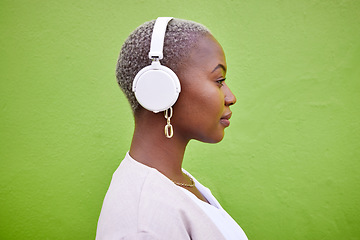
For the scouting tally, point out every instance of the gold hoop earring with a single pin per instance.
(169, 132)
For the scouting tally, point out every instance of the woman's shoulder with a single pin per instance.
(141, 199)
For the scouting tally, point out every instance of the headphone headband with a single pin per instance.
(157, 39)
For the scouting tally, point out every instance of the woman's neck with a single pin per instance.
(151, 147)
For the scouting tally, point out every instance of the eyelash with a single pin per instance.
(220, 81)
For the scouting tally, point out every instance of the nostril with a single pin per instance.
(229, 103)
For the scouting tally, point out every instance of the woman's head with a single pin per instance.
(180, 37)
(202, 110)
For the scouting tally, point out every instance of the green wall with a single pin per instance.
(288, 167)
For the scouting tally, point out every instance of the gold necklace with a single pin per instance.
(192, 184)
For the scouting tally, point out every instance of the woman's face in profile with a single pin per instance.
(202, 111)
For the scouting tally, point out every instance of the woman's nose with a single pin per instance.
(230, 98)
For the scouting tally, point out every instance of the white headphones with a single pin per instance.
(157, 87)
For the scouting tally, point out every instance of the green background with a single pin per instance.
(288, 167)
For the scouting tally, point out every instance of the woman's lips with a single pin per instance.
(225, 120)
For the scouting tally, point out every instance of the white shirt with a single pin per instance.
(142, 203)
(226, 224)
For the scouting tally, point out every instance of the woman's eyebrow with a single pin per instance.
(219, 66)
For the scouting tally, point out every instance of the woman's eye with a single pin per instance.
(220, 81)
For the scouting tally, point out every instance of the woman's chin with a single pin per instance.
(212, 139)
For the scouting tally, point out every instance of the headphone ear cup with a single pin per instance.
(156, 87)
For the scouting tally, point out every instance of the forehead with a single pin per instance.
(207, 53)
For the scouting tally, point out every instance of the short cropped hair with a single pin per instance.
(181, 35)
